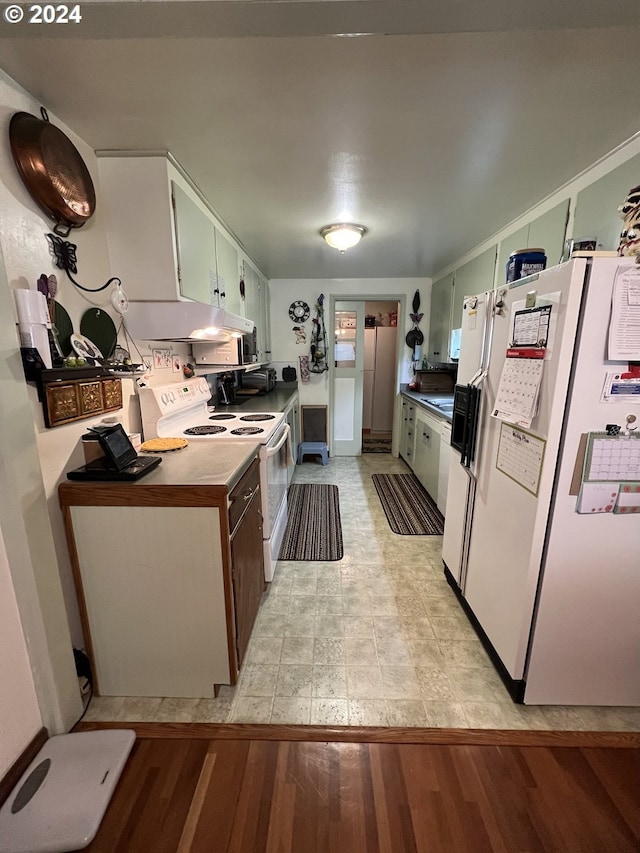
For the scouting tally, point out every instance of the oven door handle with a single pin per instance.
(271, 451)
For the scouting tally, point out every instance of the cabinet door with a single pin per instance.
(252, 300)
(228, 274)
(262, 321)
(548, 232)
(427, 452)
(247, 563)
(407, 436)
(440, 319)
(195, 243)
(474, 277)
(518, 240)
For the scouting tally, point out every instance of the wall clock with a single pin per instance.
(299, 311)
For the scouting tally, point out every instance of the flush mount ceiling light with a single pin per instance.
(342, 236)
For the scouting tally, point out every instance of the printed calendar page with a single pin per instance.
(519, 389)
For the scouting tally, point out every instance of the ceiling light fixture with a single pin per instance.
(343, 235)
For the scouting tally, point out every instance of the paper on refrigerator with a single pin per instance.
(519, 391)
(624, 325)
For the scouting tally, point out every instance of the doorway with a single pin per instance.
(379, 378)
(363, 375)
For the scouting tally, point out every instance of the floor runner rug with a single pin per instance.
(314, 531)
(409, 509)
(376, 445)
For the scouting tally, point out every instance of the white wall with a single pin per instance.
(285, 350)
(20, 716)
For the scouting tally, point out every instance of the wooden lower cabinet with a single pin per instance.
(169, 581)
(247, 567)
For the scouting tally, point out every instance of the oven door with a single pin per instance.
(274, 461)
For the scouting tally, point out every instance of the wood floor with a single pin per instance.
(250, 789)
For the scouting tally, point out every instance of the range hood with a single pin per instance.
(183, 321)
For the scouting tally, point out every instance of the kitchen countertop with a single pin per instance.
(200, 463)
(273, 401)
(203, 463)
(420, 398)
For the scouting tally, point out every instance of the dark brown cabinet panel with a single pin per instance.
(247, 563)
(72, 400)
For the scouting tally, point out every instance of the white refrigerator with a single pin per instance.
(546, 570)
(379, 378)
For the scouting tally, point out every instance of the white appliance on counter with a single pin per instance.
(181, 410)
(551, 583)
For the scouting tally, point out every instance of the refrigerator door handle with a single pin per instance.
(465, 430)
(474, 411)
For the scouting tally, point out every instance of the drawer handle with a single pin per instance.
(249, 494)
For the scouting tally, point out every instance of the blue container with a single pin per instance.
(525, 262)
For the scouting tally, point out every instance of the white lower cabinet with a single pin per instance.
(427, 452)
(407, 434)
(424, 445)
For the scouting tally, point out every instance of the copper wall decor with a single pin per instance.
(52, 170)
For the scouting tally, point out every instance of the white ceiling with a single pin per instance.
(440, 125)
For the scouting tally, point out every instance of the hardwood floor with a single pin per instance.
(250, 789)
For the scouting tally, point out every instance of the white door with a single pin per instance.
(348, 378)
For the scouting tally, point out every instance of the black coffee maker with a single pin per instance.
(227, 389)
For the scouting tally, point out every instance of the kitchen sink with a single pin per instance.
(439, 404)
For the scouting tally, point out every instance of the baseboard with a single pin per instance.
(12, 776)
(373, 734)
(515, 687)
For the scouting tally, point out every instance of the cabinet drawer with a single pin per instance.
(90, 394)
(240, 496)
(62, 403)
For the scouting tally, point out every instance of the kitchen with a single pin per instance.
(47, 457)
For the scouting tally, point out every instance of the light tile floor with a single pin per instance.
(375, 639)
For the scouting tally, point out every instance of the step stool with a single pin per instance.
(62, 796)
(306, 447)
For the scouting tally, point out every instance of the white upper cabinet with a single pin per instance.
(473, 277)
(228, 274)
(135, 201)
(166, 244)
(440, 319)
(196, 249)
(256, 308)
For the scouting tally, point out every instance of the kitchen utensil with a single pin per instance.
(52, 170)
(289, 374)
(63, 328)
(98, 326)
(84, 347)
(414, 337)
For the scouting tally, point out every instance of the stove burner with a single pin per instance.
(222, 417)
(257, 417)
(247, 431)
(205, 430)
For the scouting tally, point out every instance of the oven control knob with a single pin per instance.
(172, 397)
(165, 398)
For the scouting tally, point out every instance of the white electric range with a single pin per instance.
(181, 410)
